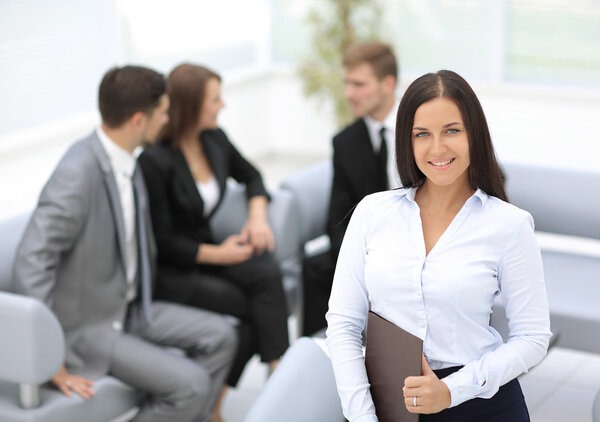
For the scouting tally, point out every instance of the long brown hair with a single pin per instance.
(187, 88)
(483, 171)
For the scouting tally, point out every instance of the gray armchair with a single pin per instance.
(311, 189)
(301, 389)
(33, 350)
(283, 217)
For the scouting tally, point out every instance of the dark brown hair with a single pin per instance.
(483, 170)
(378, 55)
(127, 90)
(187, 88)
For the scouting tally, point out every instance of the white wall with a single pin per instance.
(546, 128)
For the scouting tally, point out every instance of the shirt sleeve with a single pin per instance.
(348, 308)
(523, 292)
(241, 169)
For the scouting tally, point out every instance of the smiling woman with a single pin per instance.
(431, 258)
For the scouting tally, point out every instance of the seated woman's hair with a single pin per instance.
(186, 89)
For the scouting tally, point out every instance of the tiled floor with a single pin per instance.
(560, 389)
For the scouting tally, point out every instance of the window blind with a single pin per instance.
(52, 57)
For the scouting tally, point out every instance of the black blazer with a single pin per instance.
(176, 205)
(355, 176)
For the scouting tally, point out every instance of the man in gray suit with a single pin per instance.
(88, 252)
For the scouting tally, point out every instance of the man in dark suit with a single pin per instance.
(363, 162)
(88, 252)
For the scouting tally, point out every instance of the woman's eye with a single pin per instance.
(453, 130)
(420, 134)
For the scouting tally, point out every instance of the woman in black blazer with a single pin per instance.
(186, 175)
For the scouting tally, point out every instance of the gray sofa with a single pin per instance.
(563, 203)
(33, 343)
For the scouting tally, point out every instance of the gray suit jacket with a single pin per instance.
(72, 255)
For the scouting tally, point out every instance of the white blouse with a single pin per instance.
(445, 297)
(209, 191)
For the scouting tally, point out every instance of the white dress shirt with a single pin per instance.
(209, 192)
(445, 297)
(123, 165)
(389, 125)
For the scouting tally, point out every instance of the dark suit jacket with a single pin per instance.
(355, 176)
(176, 205)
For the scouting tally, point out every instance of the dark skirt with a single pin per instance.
(507, 405)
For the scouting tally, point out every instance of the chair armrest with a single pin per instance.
(33, 344)
(284, 219)
(311, 189)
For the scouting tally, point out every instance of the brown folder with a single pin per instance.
(392, 355)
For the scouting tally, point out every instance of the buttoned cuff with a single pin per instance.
(460, 391)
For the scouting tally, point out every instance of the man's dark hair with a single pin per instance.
(483, 171)
(380, 56)
(127, 90)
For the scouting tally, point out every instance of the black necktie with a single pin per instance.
(144, 272)
(382, 160)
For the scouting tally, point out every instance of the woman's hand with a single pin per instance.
(432, 394)
(231, 251)
(234, 250)
(259, 235)
(67, 383)
(257, 231)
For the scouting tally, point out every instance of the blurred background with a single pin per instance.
(535, 65)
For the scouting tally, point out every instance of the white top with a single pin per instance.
(209, 191)
(123, 165)
(445, 298)
(389, 124)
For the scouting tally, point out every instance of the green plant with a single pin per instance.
(336, 24)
